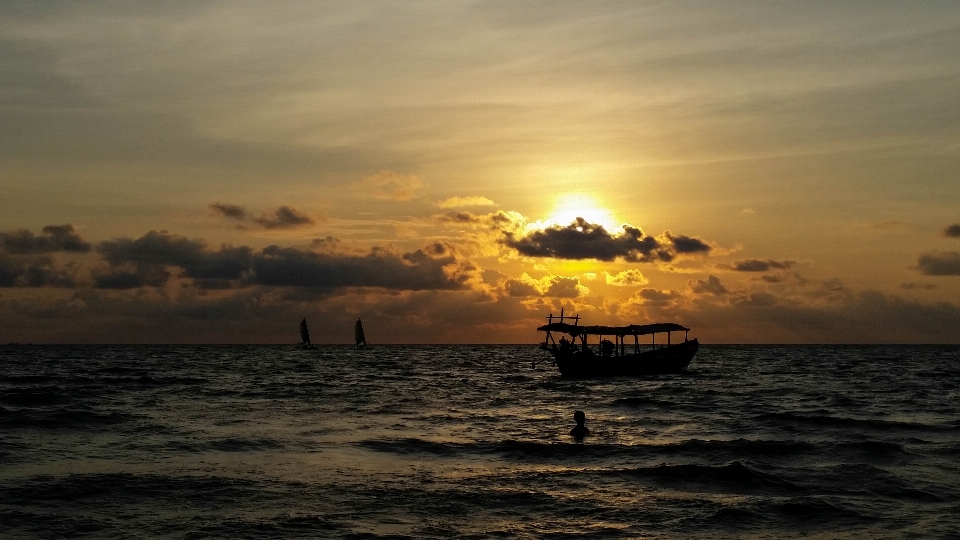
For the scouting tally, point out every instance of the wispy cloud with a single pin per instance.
(388, 185)
(759, 265)
(231, 211)
(460, 202)
(284, 217)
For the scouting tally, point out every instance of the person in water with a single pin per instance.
(579, 431)
(304, 333)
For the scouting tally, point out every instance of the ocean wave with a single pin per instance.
(63, 418)
(826, 419)
(875, 449)
(716, 450)
(447, 442)
(169, 380)
(34, 396)
(244, 445)
(741, 447)
(862, 479)
(642, 402)
(815, 512)
(21, 380)
(40, 525)
(277, 527)
(414, 446)
(90, 490)
(731, 477)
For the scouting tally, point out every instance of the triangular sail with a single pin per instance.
(304, 333)
(358, 334)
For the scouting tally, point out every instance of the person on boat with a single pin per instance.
(304, 333)
(579, 431)
(606, 348)
(564, 344)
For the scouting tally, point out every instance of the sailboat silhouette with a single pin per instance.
(358, 335)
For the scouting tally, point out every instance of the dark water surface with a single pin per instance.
(471, 442)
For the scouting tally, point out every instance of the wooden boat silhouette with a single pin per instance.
(578, 357)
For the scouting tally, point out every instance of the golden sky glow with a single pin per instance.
(209, 172)
(570, 206)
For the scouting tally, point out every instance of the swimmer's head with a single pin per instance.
(579, 417)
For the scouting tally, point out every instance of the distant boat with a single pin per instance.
(358, 335)
(578, 358)
(305, 335)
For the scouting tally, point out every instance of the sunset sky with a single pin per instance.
(453, 172)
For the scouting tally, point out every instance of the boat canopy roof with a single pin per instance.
(632, 330)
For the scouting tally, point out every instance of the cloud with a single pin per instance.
(687, 244)
(39, 272)
(418, 270)
(890, 224)
(231, 211)
(548, 287)
(952, 231)
(834, 285)
(924, 286)
(627, 278)
(284, 217)
(499, 220)
(584, 240)
(939, 263)
(131, 277)
(142, 262)
(460, 217)
(388, 185)
(521, 288)
(154, 258)
(866, 316)
(757, 265)
(711, 286)
(159, 248)
(54, 238)
(757, 299)
(654, 297)
(457, 202)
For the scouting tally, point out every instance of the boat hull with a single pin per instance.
(670, 359)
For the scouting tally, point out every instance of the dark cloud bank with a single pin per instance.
(148, 261)
(427, 287)
(25, 260)
(758, 265)
(54, 238)
(939, 263)
(584, 240)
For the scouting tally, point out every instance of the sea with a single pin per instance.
(473, 442)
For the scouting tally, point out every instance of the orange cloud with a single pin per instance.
(388, 185)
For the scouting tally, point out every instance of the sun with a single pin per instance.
(569, 207)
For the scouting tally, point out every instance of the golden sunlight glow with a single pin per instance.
(571, 206)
